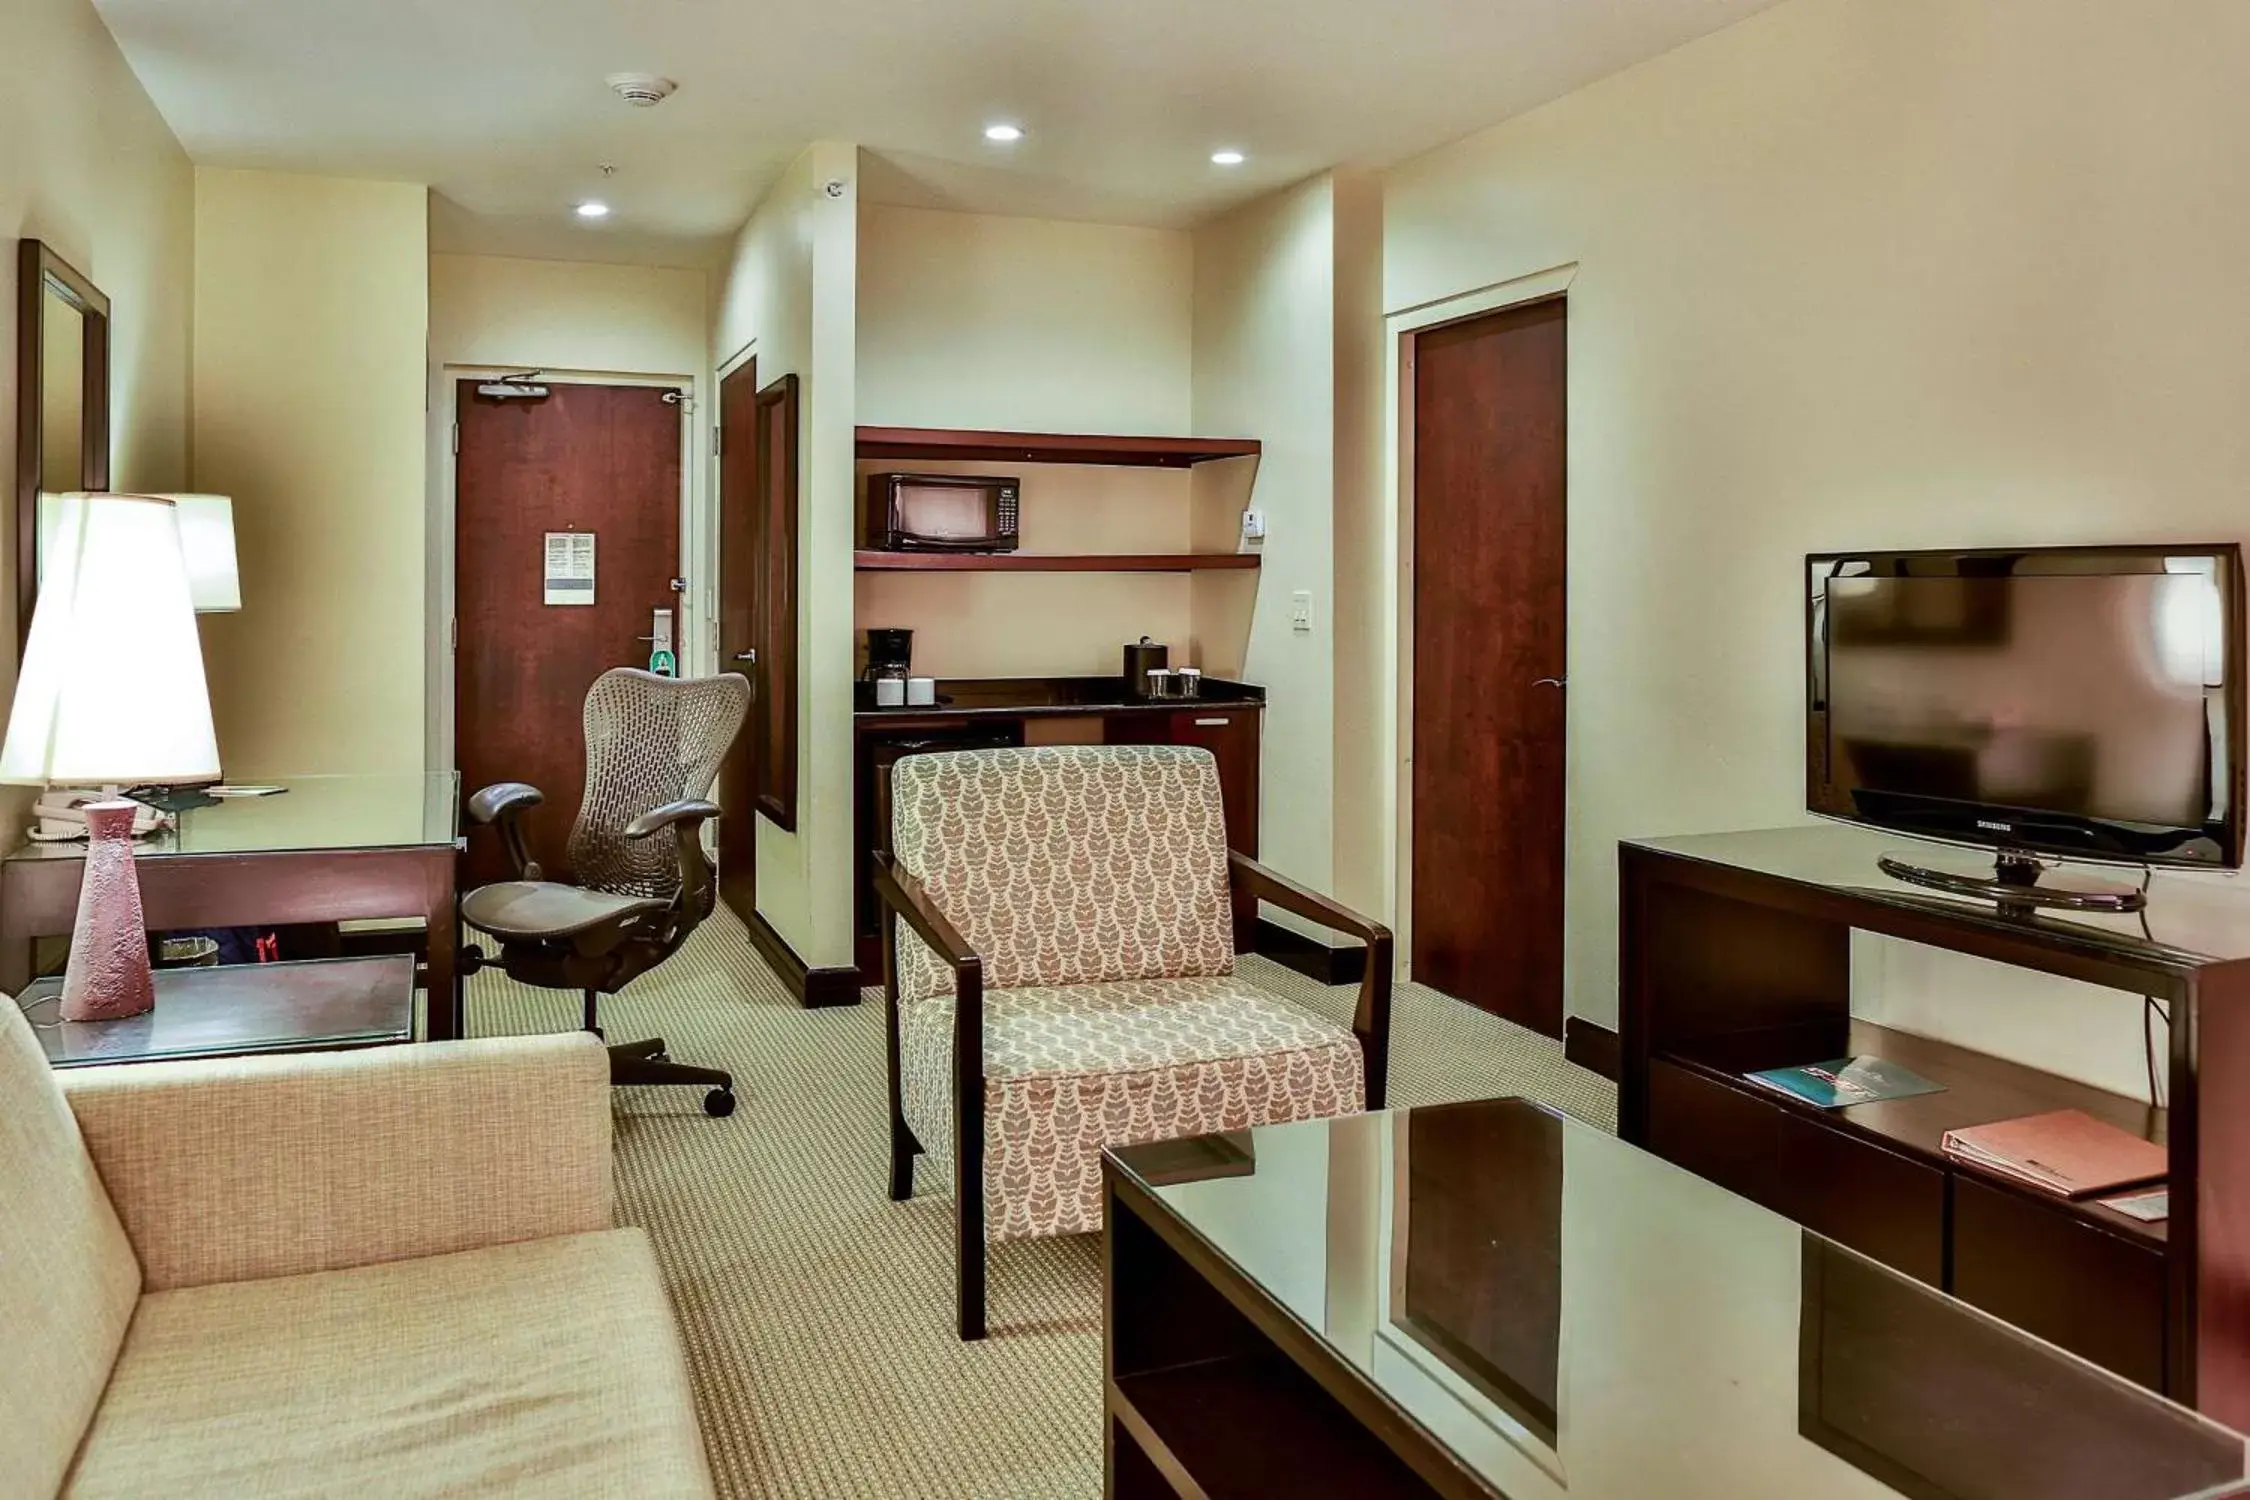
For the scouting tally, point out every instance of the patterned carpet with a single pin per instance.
(817, 1313)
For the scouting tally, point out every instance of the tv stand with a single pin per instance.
(1736, 956)
(2019, 883)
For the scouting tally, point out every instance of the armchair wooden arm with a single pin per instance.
(903, 897)
(1371, 1019)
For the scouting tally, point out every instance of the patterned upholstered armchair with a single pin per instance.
(1064, 981)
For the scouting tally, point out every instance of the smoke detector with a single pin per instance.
(641, 90)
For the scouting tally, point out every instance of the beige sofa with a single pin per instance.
(382, 1273)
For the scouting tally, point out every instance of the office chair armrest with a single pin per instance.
(503, 799)
(1371, 1019)
(505, 803)
(692, 814)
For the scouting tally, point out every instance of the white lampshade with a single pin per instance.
(111, 690)
(206, 537)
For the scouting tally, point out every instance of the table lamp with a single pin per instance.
(111, 694)
(206, 538)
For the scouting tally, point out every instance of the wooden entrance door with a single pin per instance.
(603, 459)
(1489, 662)
(738, 583)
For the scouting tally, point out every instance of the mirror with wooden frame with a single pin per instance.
(62, 399)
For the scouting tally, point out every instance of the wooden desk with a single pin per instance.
(330, 849)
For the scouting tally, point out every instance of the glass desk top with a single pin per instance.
(1573, 1317)
(371, 811)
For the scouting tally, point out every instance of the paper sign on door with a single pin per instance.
(570, 567)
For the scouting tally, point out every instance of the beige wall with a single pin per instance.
(1855, 273)
(87, 165)
(1363, 579)
(789, 294)
(311, 325)
(578, 319)
(1030, 325)
(1264, 344)
(493, 311)
(1033, 325)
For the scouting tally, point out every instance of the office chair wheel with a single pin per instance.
(719, 1103)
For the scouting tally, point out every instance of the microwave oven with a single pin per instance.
(941, 512)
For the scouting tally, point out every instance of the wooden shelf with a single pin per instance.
(1049, 447)
(1035, 562)
(1251, 1426)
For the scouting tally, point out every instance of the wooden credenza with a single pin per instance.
(1736, 955)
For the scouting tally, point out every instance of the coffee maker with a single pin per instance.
(890, 654)
(890, 661)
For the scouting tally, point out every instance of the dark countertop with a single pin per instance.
(1035, 697)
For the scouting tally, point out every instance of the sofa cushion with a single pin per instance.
(1071, 1069)
(547, 1367)
(68, 1278)
(1066, 864)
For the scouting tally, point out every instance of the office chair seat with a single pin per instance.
(541, 910)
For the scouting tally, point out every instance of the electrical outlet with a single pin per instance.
(1300, 611)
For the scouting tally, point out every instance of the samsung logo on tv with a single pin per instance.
(1995, 827)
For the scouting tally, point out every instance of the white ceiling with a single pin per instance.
(500, 106)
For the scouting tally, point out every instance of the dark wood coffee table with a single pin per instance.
(1483, 1300)
(316, 1005)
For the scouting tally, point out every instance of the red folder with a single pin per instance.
(2066, 1152)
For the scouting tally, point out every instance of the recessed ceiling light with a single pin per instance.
(592, 210)
(1226, 158)
(1004, 134)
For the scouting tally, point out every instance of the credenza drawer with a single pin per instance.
(2099, 1295)
(1882, 1204)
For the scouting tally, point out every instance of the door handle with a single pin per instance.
(746, 656)
(1213, 723)
(1553, 682)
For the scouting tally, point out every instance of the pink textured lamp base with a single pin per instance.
(108, 975)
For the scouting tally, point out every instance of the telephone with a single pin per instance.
(60, 820)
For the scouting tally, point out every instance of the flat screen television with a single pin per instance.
(2083, 702)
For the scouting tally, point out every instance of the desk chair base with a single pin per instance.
(642, 1063)
(639, 1064)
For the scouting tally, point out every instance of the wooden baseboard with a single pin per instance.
(1591, 1045)
(814, 988)
(1316, 960)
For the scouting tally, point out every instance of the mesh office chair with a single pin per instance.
(653, 745)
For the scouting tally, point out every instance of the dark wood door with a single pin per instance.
(738, 584)
(598, 459)
(1488, 763)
